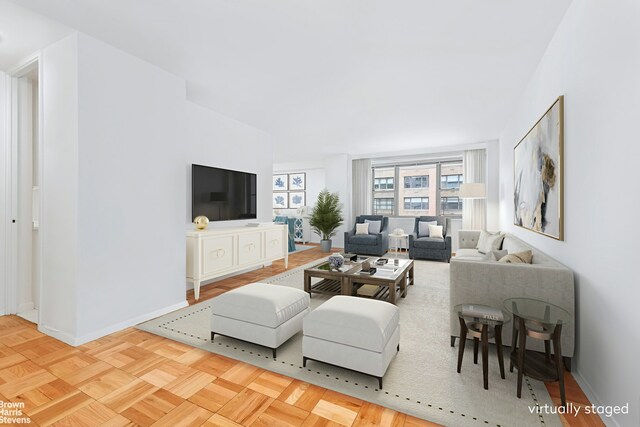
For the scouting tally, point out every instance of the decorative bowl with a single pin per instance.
(336, 261)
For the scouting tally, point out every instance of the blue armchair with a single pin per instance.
(368, 244)
(425, 247)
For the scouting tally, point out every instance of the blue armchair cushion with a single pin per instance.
(423, 228)
(374, 226)
(364, 239)
(429, 243)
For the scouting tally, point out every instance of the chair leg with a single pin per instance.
(304, 362)
(380, 382)
(212, 334)
(475, 350)
(453, 341)
(274, 352)
(463, 340)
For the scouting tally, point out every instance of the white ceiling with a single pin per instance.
(23, 32)
(335, 76)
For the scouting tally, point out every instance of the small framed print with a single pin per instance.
(297, 181)
(296, 199)
(280, 182)
(280, 201)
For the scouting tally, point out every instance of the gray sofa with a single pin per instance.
(476, 280)
(430, 247)
(368, 244)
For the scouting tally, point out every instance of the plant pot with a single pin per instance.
(325, 245)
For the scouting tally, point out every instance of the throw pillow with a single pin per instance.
(435, 231)
(495, 255)
(423, 228)
(374, 226)
(489, 241)
(362, 228)
(518, 258)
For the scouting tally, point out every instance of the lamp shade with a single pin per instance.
(472, 190)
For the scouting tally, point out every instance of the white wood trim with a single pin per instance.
(76, 341)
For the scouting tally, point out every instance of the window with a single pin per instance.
(450, 182)
(404, 189)
(383, 184)
(383, 205)
(420, 181)
(451, 205)
(416, 203)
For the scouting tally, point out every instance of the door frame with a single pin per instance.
(11, 174)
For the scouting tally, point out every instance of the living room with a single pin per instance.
(131, 95)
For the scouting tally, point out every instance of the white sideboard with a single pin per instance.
(218, 252)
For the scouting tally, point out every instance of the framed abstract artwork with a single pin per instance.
(280, 182)
(280, 201)
(538, 175)
(297, 181)
(296, 199)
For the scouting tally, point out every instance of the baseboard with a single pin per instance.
(76, 341)
(65, 337)
(25, 307)
(593, 397)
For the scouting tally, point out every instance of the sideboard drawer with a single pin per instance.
(274, 244)
(249, 248)
(217, 254)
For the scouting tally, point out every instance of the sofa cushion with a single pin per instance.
(469, 254)
(496, 255)
(430, 243)
(423, 228)
(364, 239)
(435, 231)
(514, 245)
(262, 304)
(374, 226)
(362, 228)
(489, 241)
(518, 258)
(357, 322)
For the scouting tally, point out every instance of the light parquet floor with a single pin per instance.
(136, 378)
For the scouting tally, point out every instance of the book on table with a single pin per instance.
(482, 312)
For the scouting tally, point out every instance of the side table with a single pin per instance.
(540, 320)
(481, 330)
(400, 240)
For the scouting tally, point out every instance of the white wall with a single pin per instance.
(594, 61)
(212, 139)
(119, 138)
(59, 231)
(338, 179)
(4, 195)
(131, 258)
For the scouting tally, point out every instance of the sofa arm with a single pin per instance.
(490, 283)
(468, 239)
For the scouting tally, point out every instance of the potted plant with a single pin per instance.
(326, 217)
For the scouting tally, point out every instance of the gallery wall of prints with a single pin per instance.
(289, 190)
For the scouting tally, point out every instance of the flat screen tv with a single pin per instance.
(222, 194)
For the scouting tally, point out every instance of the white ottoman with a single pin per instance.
(259, 313)
(354, 333)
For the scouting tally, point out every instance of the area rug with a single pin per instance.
(421, 380)
(300, 248)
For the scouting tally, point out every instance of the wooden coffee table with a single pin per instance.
(334, 282)
(392, 280)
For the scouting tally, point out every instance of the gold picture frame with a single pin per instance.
(538, 175)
